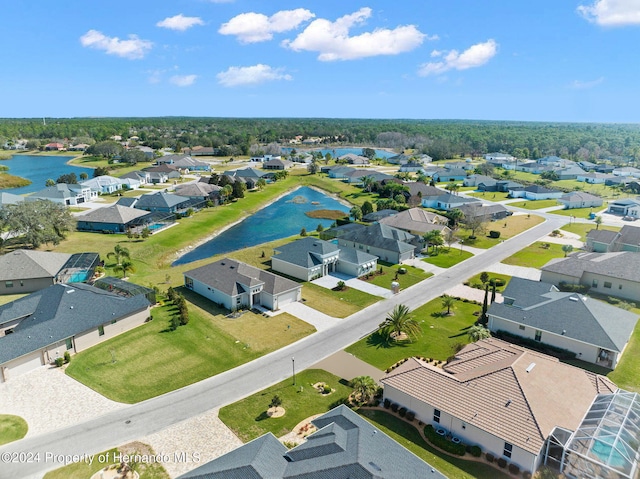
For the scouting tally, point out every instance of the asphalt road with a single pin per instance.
(153, 415)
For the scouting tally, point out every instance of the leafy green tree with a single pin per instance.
(369, 153)
(313, 167)
(567, 248)
(399, 321)
(303, 232)
(49, 182)
(448, 302)
(478, 332)
(275, 402)
(133, 156)
(106, 149)
(474, 223)
(485, 305)
(364, 389)
(69, 178)
(84, 176)
(100, 171)
(36, 222)
(319, 228)
(598, 221)
(367, 208)
(261, 183)
(225, 193)
(356, 213)
(238, 189)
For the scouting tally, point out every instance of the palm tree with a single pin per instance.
(125, 266)
(399, 321)
(433, 238)
(118, 253)
(455, 215)
(356, 213)
(448, 302)
(567, 248)
(478, 332)
(598, 221)
(364, 388)
(261, 183)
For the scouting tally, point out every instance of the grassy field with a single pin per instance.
(248, 418)
(338, 304)
(12, 181)
(409, 437)
(580, 212)
(508, 228)
(151, 360)
(534, 205)
(583, 228)
(412, 276)
(448, 257)
(534, 255)
(439, 335)
(82, 470)
(627, 372)
(491, 195)
(12, 428)
(475, 281)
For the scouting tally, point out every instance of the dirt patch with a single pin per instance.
(275, 412)
(323, 388)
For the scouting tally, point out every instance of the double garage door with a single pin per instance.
(22, 365)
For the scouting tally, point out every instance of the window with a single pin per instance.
(436, 415)
(100, 330)
(8, 284)
(594, 283)
(619, 286)
(538, 336)
(521, 327)
(188, 282)
(21, 283)
(607, 284)
(69, 342)
(508, 449)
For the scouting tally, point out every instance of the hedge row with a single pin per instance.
(442, 442)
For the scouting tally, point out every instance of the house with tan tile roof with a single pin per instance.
(499, 396)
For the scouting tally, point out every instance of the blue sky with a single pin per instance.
(547, 60)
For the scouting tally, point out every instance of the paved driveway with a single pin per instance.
(309, 315)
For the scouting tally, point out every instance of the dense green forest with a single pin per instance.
(438, 138)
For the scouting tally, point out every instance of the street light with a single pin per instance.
(293, 365)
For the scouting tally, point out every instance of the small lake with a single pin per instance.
(39, 169)
(285, 217)
(335, 152)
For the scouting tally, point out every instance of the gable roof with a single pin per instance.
(344, 446)
(27, 264)
(9, 198)
(246, 173)
(565, 314)
(579, 196)
(115, 214)
(416, 219)
(231, 277)
(491, 385)
(620, 265)
(198, 188)
(306, 252)
(160, 200)
(380, 236)
(602, 236)
(425, 190)
(630, 235)
(59, 312)
(481, 209)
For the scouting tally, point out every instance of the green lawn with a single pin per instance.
(82, 470)
(412, 276)
(248, 418)
(439, 335)
(12, 428)
(534, 205)
(448, 257)
(583, 228)
(627, 372)
(534, 255)
(150, 360)
(491, 195)
(580, 212)
(475, 281)
(338, 304)
(409, 437)
(508, 228)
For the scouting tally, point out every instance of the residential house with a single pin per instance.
(277, 164)
(417, 191)
(26, 271)
(54, 147)
(38, 328)
(187, 164)
(65, 194)
(340, 172)
(108, 184)
(458, 165)
(587, 165)
(141, 177)
(594, 178)
(498, 157)
(166, 203)
(454, 174)
(488, 212)
(447, 201)
(344, 445)
(263, 158)
(248, 174)
(202, 151)
(594, 331)
(378, 215)
(602, 168)
(603, 241)
(311, 258)
(111, 219)
(417, 221)
(199, 191)
(474, 180)
(570, 172)
(389, 244)
(400, 159)
(553, 160)
(78, 147)
(236, 285)
(535, 192)
(625, 207)
(9, 199)
(508, 400)
(411, 167)
(626, 171)
(618, 181)
(580, 199)
(149, 153)
(353, 159)
(613, 274)
(161, 174)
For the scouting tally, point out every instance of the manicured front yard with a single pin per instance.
(409, 437)
(583, 228)
(390, 273)
(82, 470)
(12, 428)
(475, 281)
(248, 417)
(491, 195)
(508, 228)
(535, 255)
(448, 257)
(150, 360)
(580, 212)
(338, 304)
(439, 335)
(534, 204)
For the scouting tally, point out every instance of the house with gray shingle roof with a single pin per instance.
(163, 202)
(26, 271)
(534, 192)
(311, 258)
(9, 199)
(417, 221)
(453, 174)
(604, 241)
(613, 274)
(66, 194)
(580, 199)
(199, 190)
(625, 207)
(595, 331)
(344, 445)
(38, 328)
(112, 219)
(504, 398)
(235, 285)
(387, 243)
(447, 201)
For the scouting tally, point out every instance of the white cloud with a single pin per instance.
(183, 80)
(474, 56)
(585, 85)
(134, 48)
(253, 75)
(255, 27)
(612, 13)
(180, 22)
(332, 40)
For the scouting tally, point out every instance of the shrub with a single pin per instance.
(402, 411)
(410, 416)
(341, 285)
(326, 389)
(275, 401)
(502, 462)
(394, 407)
(526, 475)
(442, 442)
(572, 288)
(490, 457)
(475, 451)
(514, 469)
(59, 362)
(386, 403)
(402, 270)
(494, 234)
(67, 357)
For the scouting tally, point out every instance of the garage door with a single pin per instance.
(287, 298)
(24, 364)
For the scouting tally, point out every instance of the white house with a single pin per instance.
(535, 192)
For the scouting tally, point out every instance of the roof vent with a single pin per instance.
(531, 366)
(573, 298)
(508, 402)
(70, 291)
(70, 307)
(564, 331)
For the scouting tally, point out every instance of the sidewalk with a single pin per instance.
(347, 366)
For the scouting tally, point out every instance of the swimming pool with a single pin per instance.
(79, 276)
